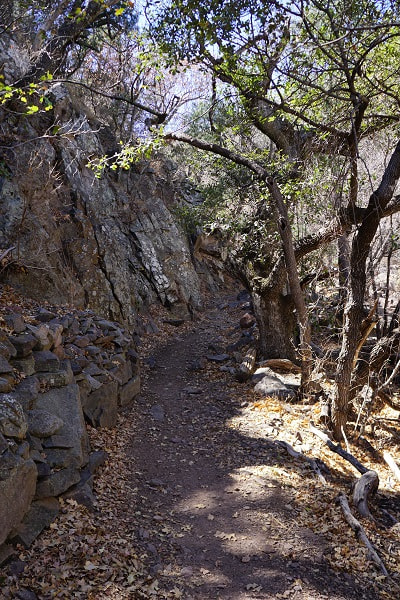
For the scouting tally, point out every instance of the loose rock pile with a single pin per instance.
(57, 370)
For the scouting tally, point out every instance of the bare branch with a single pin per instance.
(128, 100)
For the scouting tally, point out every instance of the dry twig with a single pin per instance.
(392, 464)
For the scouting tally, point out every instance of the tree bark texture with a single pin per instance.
(276, 321)
(353, 314)
(285, 231)
(344, 265)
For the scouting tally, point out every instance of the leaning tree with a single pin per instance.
(316, 79)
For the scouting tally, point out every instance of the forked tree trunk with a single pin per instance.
(353, 313)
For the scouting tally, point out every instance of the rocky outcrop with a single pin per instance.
(62, 368)
(108, 243)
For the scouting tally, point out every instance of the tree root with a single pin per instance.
(364, 487)
(360, 532)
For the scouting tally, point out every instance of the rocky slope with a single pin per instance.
(104, 248)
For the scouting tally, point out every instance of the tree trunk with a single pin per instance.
(353, 313)
(344, 266)
(276, 321)
(383, 349)
(297, 294)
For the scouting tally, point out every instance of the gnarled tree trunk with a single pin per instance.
(353, 313)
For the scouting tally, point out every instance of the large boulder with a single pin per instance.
(268, 384)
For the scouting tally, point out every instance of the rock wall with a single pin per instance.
(110, 243)
(58, 369)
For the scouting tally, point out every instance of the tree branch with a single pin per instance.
(161, 115)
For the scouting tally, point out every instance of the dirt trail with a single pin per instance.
(211, 527)
(197, 501)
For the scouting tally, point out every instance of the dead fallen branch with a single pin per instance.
(4, 254)
(311, 461)
(339, 450)
(360, 533)
(387, 399)
(365, 487)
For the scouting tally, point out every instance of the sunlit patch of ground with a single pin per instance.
(314, 503)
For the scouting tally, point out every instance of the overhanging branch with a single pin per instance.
(160, 116)
(340, 224)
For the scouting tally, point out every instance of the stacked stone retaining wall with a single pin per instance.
(59, 370)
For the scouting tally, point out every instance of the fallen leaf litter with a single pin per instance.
(96, 555)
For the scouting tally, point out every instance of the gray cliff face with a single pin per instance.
(109, 244)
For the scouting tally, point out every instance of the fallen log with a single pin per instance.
(387, 399)
(281, 364)
(360, 532)
(247, 366)
(364, 487)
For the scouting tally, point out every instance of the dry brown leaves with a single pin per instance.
(315, 504)
(90, 555)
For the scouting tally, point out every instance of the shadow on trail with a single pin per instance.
(222, 530)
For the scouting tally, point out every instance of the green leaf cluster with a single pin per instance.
(129, 154)
(32, 97)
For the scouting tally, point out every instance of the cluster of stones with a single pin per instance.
(56, 372)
